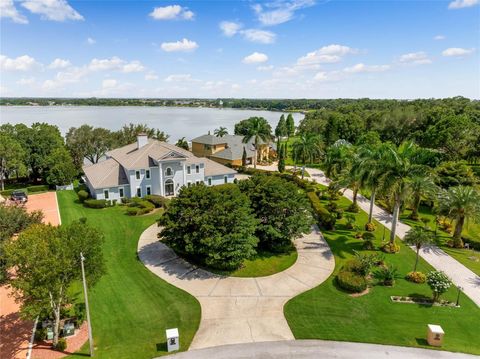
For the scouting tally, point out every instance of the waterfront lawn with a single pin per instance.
(130, 306)
(326, 312)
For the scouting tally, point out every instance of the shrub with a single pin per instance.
(339, 213)
(61, 345)
(82, 195)
(95, 203)
(438, 283)
(132, 211)
(350, 217)
(370, 227)
(368, 245)
(156, 200)
(352, 265)
(359, 235)
(353, 208)
(351, 282)
(386, 275)
(391, 248)
(332, 206)
(368, 236)
(326, 219)
(40, 334)
(366, 262)
(416, 277)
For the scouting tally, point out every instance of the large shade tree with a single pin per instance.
(259, 131)
(11, 157)
(87, 142)
(461, 203)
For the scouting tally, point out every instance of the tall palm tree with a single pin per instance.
(400, 165)
(418, 237)
(307, 147)
(338, 158)
(220, 132)
(421, 186)
(258, 130)
(460, 203)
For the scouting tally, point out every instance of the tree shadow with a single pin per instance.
(14, 335)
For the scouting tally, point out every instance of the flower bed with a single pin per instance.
(420, 300)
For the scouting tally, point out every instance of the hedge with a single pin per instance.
(82, 195)
(29, 189)
(351, 282)
(157, 201)
(326, 219)
(95, 203)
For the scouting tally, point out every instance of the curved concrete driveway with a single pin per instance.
(240, 310)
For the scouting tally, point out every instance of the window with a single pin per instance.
(197, 182)
(207, 147)
(139, 192)
(197, 169)
(210, 181)
(120, 192)
(169, 172)
(149, 190)
(225, 179)
(137, 174)
(189, 170)
(214, 147)
(105, 193)
(189, 184)
(147, 174)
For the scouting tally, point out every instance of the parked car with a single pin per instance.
(19, 196)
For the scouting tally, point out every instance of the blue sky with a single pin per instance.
(273, 49)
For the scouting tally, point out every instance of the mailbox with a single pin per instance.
(435, 335)
(173, 343)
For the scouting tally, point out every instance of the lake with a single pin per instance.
(177, 122)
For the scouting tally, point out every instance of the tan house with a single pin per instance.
(229, 149)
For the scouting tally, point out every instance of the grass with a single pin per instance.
(130, 306)
(468, 257)
(326, 312)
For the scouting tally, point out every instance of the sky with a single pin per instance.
(243, 49)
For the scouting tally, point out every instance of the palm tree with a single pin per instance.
(182, 143)
(460, 203)
(421, 186)
(400, 165)
(258, 130)
(338, 158)
(418, 237)
(220, 132)
(306, 147)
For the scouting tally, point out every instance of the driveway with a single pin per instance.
(47, 203)
(240, 310)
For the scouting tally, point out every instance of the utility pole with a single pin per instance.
(90, 338)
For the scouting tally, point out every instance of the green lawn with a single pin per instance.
(325, 312)
(130, 306)
(469, 258)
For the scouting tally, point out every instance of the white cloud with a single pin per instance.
(265, 68)
(183, 45)
(21, 63)
(259, 36)
(326, 54)
(56, 10)
(358, 68)
(151, 76)
(458, 4)
(26, 81)
(457, 52)
(109, 83)
(91, 41)
(179, 78)
(115, 63)
(230, 28)
(439, 37)
(59, 64)
(255, 58)
(278, 12)
(134, 66)
(415, 58)
(172, 12)
(321, 76)
(8, 10)
(62, 78)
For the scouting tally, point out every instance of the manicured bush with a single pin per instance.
(351, 281)
(82, 195)
(61, 345)
(38, 188)
(353, 208)
(366, 262)
(368, 245)
(391, 248)
(352, 265)
(370, 227)
(132, 211)
(95, 203)
(416, 277)
(326, 219)
(156, 200)
(368, 236)
(439, 283)
(386, 275)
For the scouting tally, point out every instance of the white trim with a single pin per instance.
(189, 170)
(108, 193)
(139, 174)
(197, 168)
(123, 189)
(58, 210)
(169, 168)
(162, 189)
(184, 175)
(149, 174)
(146, 190)
(136, 192)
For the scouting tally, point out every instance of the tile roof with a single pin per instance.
(108, 173)
(213, 168)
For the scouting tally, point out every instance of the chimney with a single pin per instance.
(142, 140)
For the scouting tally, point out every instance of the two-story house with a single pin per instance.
(151, 167)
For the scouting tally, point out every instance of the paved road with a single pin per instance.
(240, 310)
(314, 349)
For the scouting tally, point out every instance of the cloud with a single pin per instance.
(55, 10)
(326, 54)
(172, 12)
(183, 45)
(230, 28)
(265, 68)
(21, 63)
(115, 63)
(255, 58)
(26, 81)
(134, 66)
(109, 83)
(278, 12)
(8, 10)
(178, 78)
(62, 78)
(358, 68)
(91, 41)
(459, 4)
(457, 52)
(151, 76)
(415, 58)
(259, 36)
(59, 64)
(439, 37)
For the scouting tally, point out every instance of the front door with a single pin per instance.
(169, 191)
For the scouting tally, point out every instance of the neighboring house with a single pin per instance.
(228, 150)
(151, 167)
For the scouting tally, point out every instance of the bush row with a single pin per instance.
(29, 189)
(138, 206)
(99, 203)
(326, 219)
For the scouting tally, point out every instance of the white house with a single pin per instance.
(151, 167)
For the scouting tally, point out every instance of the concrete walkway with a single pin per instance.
(314, 349)
(240, 310)
(437, 258)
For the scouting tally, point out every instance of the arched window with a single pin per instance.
(168, 172)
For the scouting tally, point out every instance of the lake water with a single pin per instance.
(177, 122)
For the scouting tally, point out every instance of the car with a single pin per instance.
(19, 196)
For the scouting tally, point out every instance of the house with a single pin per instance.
(151, 167)
(228, 150)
